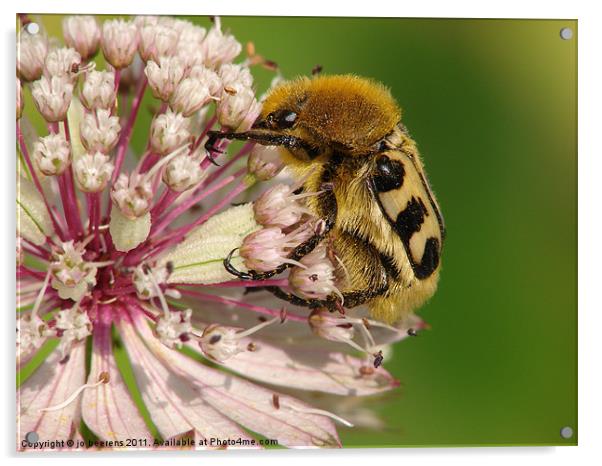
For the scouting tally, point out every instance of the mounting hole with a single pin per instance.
(566, 33)
(566, 432)
(32, 28)
(32, 437)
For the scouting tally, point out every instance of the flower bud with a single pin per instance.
(32, 332)
(189, 33)
(189, 96)
(20, 101)
(132, 195)
(266, 249)
(98, 90)
(99, 131)
(317, 279)
(83, 34)
(62, 62)
(208, 77)
(330, 327)
(239, 110)
(168, 131)
(157, 41)
(93, 172)
(219, 48)
(119, 42)
(31, 54)
(184, 172)
(74, 325)
(145, 20)
(70, 271)
(173, 328)
(265, 162)
(278, 207)
(52, 97)
(190, 55)
(220, 343)
(144, 279)
(235, 76)
(52, 154)
(164, 76)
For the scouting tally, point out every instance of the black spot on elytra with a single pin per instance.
(430, 259)
(389, 174)
(409, 221)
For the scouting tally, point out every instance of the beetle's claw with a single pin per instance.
(233, 270)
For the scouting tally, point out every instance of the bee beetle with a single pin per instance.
(343, 136)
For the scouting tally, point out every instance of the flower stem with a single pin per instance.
(129, 126)
(177, 211)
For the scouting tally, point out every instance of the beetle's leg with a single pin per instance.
(300, 251)
(333, 302)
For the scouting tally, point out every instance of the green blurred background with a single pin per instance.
(493, 107)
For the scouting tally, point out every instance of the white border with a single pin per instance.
(590, 172)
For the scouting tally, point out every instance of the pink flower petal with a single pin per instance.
(173, 403)
(309, 369)
(244, 402)
(52, 383)
(109, 410)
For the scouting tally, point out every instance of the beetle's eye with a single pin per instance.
(285, 118)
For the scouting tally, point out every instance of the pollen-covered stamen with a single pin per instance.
(317, 279)
(72, 325)
(103, 378)
(98, 90)
(220, 343)
(279, 206)
(266, 249)
(52, 154)
(265, 162)
(99, 131)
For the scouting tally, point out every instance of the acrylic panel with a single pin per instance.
(209, 256)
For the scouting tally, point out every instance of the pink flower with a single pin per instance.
(83, 34)
(126, 249)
